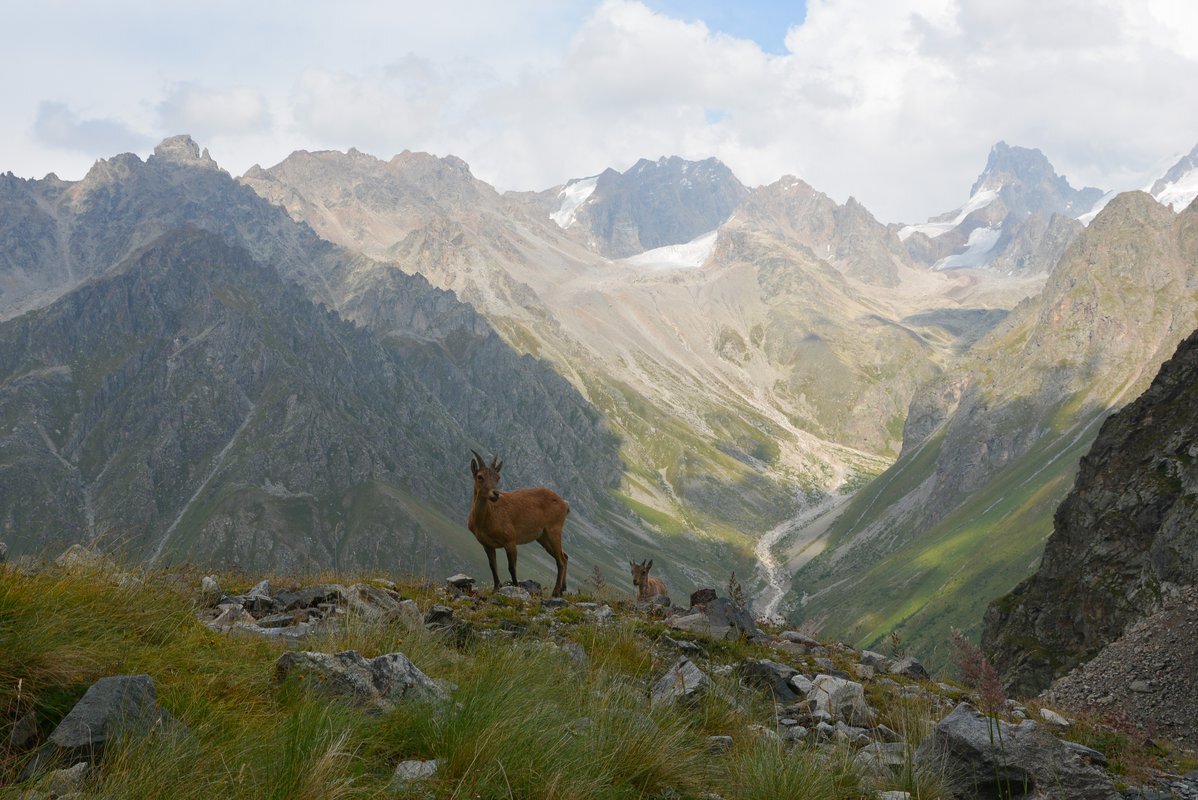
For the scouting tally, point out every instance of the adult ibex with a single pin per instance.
(514, 518)
(646, 587)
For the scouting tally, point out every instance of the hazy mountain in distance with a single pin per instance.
(1019, 218)
(652, 204)
(1178, 187)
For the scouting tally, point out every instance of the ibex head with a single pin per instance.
(486, 477)
(640, 572)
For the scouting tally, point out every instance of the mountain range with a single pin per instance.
(871, 424)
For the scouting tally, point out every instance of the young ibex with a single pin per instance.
(514, 518)
(646, 587)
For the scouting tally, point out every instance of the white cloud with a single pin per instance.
(896, 103)
(205, 112)
(59, 126)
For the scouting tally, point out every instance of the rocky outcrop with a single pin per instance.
(982, 757)
(1123, 541)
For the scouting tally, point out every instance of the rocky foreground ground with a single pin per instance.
(901, 733)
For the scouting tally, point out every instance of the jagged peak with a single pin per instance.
(182, 149)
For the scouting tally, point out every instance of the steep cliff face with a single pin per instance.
(1124, 539)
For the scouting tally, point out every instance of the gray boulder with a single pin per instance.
(702, 597)
(115, 706)
(979, 756)
(371, 603)
(210, 592)
(309, 597)
(460, 582)
(719, 618)
(842, 699)
(909, 667)
(516, 593)
(378, 684)
(882, 760)
(682, 681)
(770, 674)
(438, 617)
(408, 772)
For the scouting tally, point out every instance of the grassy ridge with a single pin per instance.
(944, 578)
(526, 721)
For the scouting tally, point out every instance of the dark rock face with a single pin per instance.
(1124, 538)
(658, 203)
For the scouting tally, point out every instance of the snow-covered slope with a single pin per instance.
(1178, 187)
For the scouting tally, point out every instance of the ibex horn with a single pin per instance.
(481, 460)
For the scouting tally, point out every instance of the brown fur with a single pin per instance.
(506, 520)
(646, 586)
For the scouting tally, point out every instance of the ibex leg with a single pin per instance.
(491, 559)
(511, 561)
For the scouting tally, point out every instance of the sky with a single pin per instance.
(894, 102)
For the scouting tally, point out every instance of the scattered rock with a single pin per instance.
(373, 603)
(717, 745)
(702, 597)
(688, 647)
(407, 772)
(78, 557)
(210, 592)
(764, 732)
(875, 660)
(882, 760)
(517, 593)
(63, 781)
(909, 667)
(577, 654)
(799, 638)
(682, 681)
(309, 597)
(719, 618)
(460, 582)
(378, 684)
(408, 614)
(532, 587)
(438, 617)
(1053, 718)
(555, 602)
(1140, 686)
(801, 684)
(774, 676)
(842, 699)
(981, 756)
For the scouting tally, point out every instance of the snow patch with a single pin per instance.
(977, 249)
(980, 199)
(1089, 216)
(572, 196)
(685, 256)
(1180, 193)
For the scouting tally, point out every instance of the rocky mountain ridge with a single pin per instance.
(1019, 217)
(474, 389)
